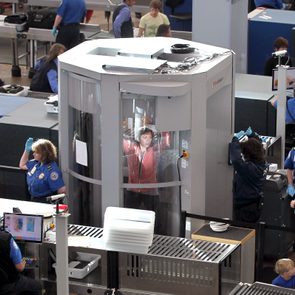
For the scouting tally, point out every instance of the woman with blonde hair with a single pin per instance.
(44, 177)
(45, 78)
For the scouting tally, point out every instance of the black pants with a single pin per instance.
(23, 284)
(247, 212)
(69, 35)
(145, 202)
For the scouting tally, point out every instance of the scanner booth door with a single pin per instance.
(84, 142)
(153, 168)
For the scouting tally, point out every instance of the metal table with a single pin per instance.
(35, 35)
(108, 5)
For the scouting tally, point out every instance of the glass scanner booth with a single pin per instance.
(181, 94)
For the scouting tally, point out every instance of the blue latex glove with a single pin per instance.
(249, 131)
(28, 145)
(291, 190)
(240, 134)
(54, 31)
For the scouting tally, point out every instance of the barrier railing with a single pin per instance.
(260, 228)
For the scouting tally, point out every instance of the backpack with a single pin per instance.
(42, 18)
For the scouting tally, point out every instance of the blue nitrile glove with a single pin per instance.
(54, 31)
(28, 145)
(249, 131)
(240, 134)
(291, 190)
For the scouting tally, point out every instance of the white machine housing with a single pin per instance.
(195, 104)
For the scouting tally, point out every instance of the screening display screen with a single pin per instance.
(24, 227)
(290, 79)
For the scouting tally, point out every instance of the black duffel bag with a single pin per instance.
(42, 18)
(15, 19)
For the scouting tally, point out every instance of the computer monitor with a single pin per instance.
(290, 81)
(24, 227)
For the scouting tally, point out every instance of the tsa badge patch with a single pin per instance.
(53, 176)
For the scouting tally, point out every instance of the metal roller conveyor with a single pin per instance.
(189, 249)
(260, 289)
(82, 230)
(172, 265)
(177, 265)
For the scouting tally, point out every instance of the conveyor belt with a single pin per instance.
(260, 289)
(189, 249)
(169, 246)
(85, 231)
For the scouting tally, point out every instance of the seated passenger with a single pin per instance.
(46, 78)
(286, 273)
(150, 22)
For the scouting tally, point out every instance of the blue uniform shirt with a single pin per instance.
(290, 111)
(290, 161)
(43, 179)
(123, 16)
(280, 281)
(15, 254)
(71, 11)
(273, 3)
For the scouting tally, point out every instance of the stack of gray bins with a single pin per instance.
(260, 289)
(181, 266)
(277, 211)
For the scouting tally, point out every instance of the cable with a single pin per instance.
(184, 155)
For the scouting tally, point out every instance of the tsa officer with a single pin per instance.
(12, 265)
(44, 177)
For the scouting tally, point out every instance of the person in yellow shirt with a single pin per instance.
(149, 23)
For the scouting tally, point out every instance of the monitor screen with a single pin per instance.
(24, 227)
(290, 81)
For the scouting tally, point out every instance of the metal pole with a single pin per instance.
(281, 110)
(62, 278)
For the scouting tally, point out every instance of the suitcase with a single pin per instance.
(276, 211)
(42, 18)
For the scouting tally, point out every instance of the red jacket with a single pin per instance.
(142, 166)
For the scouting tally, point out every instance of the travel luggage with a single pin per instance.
(15, 18)
(42, 18)
(276, 211)
(19, 21)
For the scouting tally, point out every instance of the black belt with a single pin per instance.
(71, 25)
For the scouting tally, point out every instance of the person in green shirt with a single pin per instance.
(149, 23)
